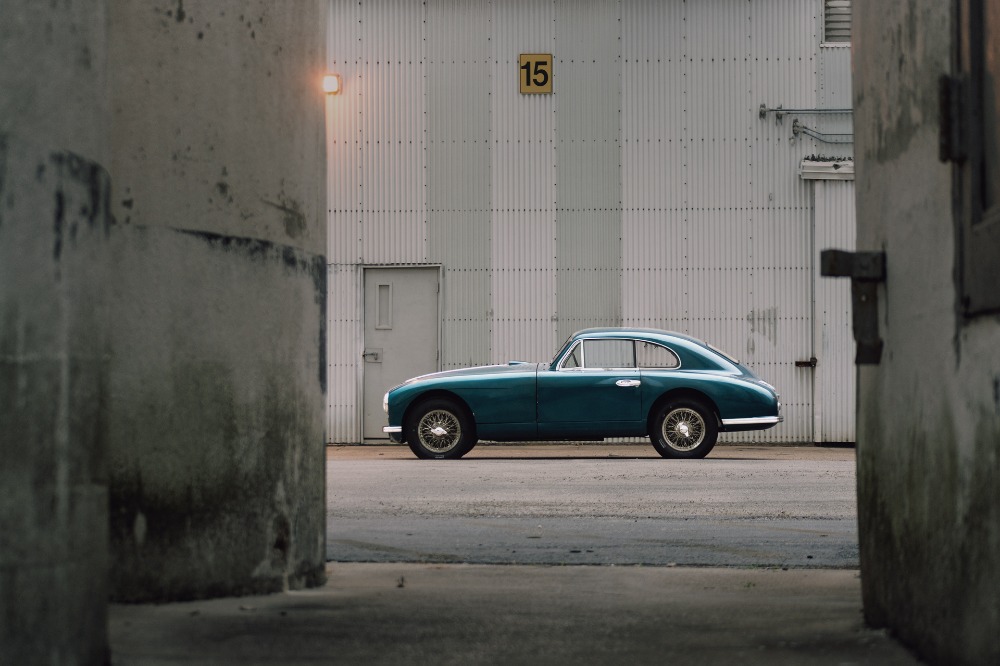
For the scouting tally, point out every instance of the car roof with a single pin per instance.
(628, 332)
(670, 338)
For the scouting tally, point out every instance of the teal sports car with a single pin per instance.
(603, 382)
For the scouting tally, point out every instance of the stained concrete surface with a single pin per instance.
(474, 614)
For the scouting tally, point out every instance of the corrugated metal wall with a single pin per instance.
(459, 158)
(523, 139)
(646, 190)
(587, 50)
(834, 395)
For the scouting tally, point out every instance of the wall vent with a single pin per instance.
(837, 21)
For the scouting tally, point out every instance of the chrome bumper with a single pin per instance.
(754, 421)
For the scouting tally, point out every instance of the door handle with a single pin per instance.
(811, 363)
(627, 383)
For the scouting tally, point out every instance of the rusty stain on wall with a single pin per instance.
(764, 323)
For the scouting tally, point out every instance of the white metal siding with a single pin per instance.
(345, 336)
(588, 189)
(523, 187)
(646, 190)
(836, 377)
(458, 163)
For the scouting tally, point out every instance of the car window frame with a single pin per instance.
(636, 368)
(569, 352)
(583, 356)
(658, 344)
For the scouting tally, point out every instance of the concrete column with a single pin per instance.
(929, 412)
(54, 244)
(217, 371)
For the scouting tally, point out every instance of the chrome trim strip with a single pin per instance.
(756, 420)
(388, 429)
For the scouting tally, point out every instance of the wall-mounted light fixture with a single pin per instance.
(331, 84)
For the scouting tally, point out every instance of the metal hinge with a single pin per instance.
(951, 140)
(866, 270)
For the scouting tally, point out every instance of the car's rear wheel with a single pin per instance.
(684, 428)
(440, 429)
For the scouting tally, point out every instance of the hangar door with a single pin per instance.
(401, 334)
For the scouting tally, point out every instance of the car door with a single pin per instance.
(594, 392)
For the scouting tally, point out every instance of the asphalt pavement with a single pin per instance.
(599, 505)
(457, 613)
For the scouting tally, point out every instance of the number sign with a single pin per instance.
(535, 73)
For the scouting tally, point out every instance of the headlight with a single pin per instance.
(385, 402)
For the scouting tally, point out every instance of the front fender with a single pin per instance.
(508, 396)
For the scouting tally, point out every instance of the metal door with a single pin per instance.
(401, 335)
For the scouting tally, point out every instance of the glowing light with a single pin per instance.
(331, 84)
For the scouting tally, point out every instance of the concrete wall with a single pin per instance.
(216, 409)
(54, 244)
(162, 310)
(929, 414)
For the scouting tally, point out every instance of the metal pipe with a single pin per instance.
(799, 128)
(764, 110)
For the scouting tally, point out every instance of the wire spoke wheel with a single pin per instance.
(439, 431)
(683, 429)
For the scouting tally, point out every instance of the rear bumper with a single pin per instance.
(752, 423)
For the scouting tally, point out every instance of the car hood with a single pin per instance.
(512, 367)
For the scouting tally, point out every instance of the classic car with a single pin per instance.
(603, 382)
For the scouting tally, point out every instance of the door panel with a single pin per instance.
(597, 391)
(401, 335)
(577, 401)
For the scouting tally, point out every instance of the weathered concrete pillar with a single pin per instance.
(54, 234)
(216, 394)
(929, 413)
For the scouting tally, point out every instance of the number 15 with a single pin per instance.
(537, 70)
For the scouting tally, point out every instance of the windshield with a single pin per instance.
(559, 352)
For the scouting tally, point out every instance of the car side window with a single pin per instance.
(649, 355)
(608, 354)
(572, 359)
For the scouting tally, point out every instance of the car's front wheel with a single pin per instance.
(440, 429)
(683, 428)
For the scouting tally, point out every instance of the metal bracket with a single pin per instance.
(866, 270)
(951, 99)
